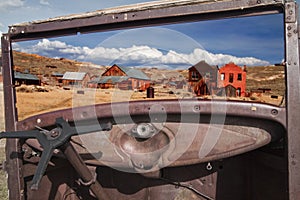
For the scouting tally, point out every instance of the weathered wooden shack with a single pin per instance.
(79, 79)
(203, 78)
(124, 78)
(26, 78)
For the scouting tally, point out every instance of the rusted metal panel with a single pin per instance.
(142, 15)
(293, 98)
(13, 160)
(172, 107)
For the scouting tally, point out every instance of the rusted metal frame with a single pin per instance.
(142, 17)
(171, 107)
(13, 159)
(293, 98)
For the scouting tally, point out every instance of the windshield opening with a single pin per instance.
(240, 59)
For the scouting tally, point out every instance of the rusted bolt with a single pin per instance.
(197, 108)
(84, 114)
(38, 121)
(291, 12)
(274, 112)
(54, 133)
(209, 166)
(258, 2)
(293, 156)
(295, 31)
(289, 35)
(289, 27)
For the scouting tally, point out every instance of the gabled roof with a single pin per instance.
(134, 73)
(75, 76)
(202, 66)
(57, 74)
(112, 79)
(109, 79)
(131, 72)
(19, 75)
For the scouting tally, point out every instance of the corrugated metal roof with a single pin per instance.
(111, 79)
(57, 74)
(19, 75)
(134, 73)
(75, 76)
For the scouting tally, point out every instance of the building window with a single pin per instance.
(238, 92)
(222, 76)
(231, 78)
(239, 77)
(207, 75)
(195, 75)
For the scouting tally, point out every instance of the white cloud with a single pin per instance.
(11, 3)
(44, 2)
(139, 55)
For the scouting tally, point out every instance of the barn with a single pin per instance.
(125, 78)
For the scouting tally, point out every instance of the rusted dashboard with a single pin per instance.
(149, 135)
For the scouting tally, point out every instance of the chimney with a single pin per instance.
(245, 68)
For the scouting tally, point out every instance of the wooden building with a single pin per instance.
(79, 79)
(124, 78)
(26, 78)
(203, 78)
(234, 75)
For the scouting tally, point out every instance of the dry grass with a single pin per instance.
(3, 177)
(267, 77)
(29, 104)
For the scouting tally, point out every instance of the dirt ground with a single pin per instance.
(32, 103)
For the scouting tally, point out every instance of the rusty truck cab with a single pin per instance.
(180, 148)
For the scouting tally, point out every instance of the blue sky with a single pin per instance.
(250, 41)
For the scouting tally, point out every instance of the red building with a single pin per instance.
(124, 78)
(235, 76)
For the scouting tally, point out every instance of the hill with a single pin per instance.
(40, 65)
(271, 77)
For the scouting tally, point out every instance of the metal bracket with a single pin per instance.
(290, 13)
